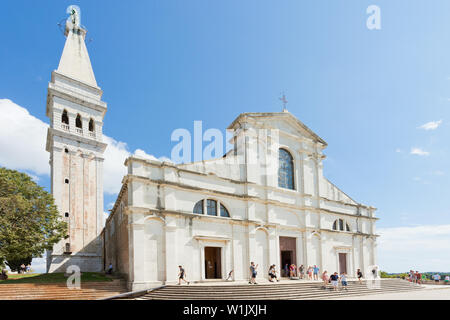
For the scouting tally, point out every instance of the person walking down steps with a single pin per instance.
(253, 272)
(182, 275)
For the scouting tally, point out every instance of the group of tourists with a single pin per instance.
(420, 278)
(334, 279)
(416, 277)
(310, 273)
(437, 279)
(24, 268)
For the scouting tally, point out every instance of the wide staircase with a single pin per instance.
(59, 291)
(278, 291)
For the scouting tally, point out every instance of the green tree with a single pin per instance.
(29, 220)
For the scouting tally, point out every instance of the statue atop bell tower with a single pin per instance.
(74, 141)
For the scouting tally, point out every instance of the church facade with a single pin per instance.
(265, 201)
(215, 216)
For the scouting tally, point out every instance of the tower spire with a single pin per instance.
(75, 62)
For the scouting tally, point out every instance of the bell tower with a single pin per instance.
(74, 141)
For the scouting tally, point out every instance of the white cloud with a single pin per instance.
(439, 173)
(423, 248)
(419, 152)
(113, 167)
(432, 125)
(142, 154)
(22, 145)
(398, 150)
(22, 139)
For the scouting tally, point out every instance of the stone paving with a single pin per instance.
(430, 292)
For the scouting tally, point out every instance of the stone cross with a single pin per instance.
(284, 101)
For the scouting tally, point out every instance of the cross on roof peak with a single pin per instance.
(284, 101)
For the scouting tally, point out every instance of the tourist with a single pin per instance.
(28, 268)
(253, 272)
(424, 278)
(437, 278)
(286, 270)
(4, 275)
(334, 278)
(309, 273)
(110, 269)
(230, 274)
(411, 276)
(182, 275)
(292, 270)
(22, 268)
(359, 275)
(273, 274)
(316, 272)
(301, 271)
(418, 277)
(344, 281)
(325, 279)
(446, 279)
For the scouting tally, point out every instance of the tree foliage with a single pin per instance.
(29, 220)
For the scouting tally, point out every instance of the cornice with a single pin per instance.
(75, 97)
(68, 135)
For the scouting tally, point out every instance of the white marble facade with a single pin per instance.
(153, 228)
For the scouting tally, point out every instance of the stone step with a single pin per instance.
(268, 295)
(257, 287)
(271, 291)
(88, 291)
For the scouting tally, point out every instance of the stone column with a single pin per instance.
(171, 254)
(274, 248)
(100, 216)
(137, 257)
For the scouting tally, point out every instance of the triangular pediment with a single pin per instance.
(283, 121)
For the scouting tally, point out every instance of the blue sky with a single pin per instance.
(164, 64)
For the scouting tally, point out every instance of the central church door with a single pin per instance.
(288, 253)
(343, 262)
(212, 263)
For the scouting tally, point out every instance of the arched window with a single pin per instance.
(285, 170)
(91, 125)
(198, 208)
(78, 123)
(339, 225)
(65, 117)
(224, 211)
(211, 207)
